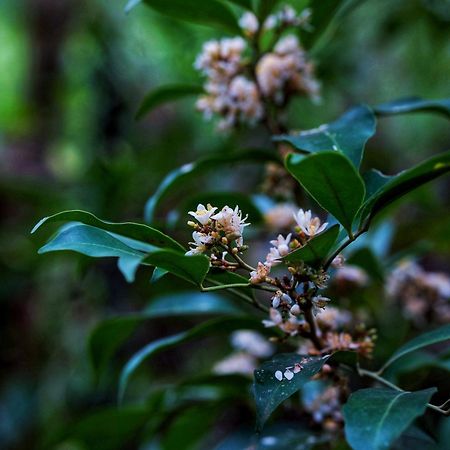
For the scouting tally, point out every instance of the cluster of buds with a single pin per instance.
(217, 230)
(235, 89)
(423, 296)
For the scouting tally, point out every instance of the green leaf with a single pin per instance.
(128, 265)
(413, 104)
(269, 392)
(107, 429)
(316, 250)
(432, 337)
(246, 4)
(219, 326)
(375, 418)
(157, 274)
(206, 12)
(90, 241)
(392, 188)
(347, 135)
(331, 179)
(164, 94)
(137, 231)
(190, 268)
(193, 170)
(109, 334)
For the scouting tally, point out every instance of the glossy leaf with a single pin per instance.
(128, 265)
(90, 241)
(157, 274)
(190, 268)
(137, 231)
(269, 392)
(413, 104)
(108, 335)
(164, 94)
(347, 135)
(316, 250)
(375, 418)
(206, 12)
(331, 179)
(214, 326)
(399, 185)
(441, 334)
(193, 170)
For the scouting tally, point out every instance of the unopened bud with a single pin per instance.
(275, 301)
(295, 310)
(191, 224)
(224, 241)
(286, 298)
(235, 251)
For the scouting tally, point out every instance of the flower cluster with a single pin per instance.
(229, 93)
(423, 296)
(236, 88)
(286, 71)
(219, 229)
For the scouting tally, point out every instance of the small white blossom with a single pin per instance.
(273, 257)
(276, 301)
(280, 216)
(249, 23)
(275, 319)
(295, 310)
(231, 223)
(260, 274)
(319, 303)
(203, 215)
(308, 224)
(201, 240)
(237, 363)
(353, 275)
(252, 343)
(282, 244)
(338, 262)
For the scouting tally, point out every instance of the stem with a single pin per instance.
(309, 317)
(375, 376)
(241, 262)
(350, 239)
(223, 286)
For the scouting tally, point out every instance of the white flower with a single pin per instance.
(203, 214)
(249, 23)
(240, 363)
(338, 262)
(260, 274)
(288, 44)
(309, 225)
(282, 244)
(275, 319)
(252, 343)
(295, 310)
(280, 216)
(231, 223)
(319, 303)
(273, 257)
(200, 243)
(353, 275)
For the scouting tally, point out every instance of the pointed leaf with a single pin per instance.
(270, 392)
(392, 188)
(220, 325)
(375, 418)
(128, 265)
(206, 12)
(165, 94)
(331, 179)
(157, 274)
(413, 104)
(190, 268)
(432, 337)
(189, 171)
(109, 334)
(347, 135)
(316, 250)
(137, 231)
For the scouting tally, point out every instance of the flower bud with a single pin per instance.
(295, 310)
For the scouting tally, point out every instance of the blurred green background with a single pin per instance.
(72, 77)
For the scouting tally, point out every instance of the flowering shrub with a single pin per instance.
(300, 328)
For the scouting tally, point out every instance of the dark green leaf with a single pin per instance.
(414, 439)
(220, 325)
(246, 4)
(164, 94)
(347, 135)
(192, 170)
(128, 265)
(413, 104)
(331, 179)
(375, 418)
(432, 337)
(264, 8)
(392, 188)
(157, 274)
(374, 181)
(316, 250)
(190, 268)
(137, 231)
(269, 392)
(111, 333)
(90, 241)
(206, 12)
